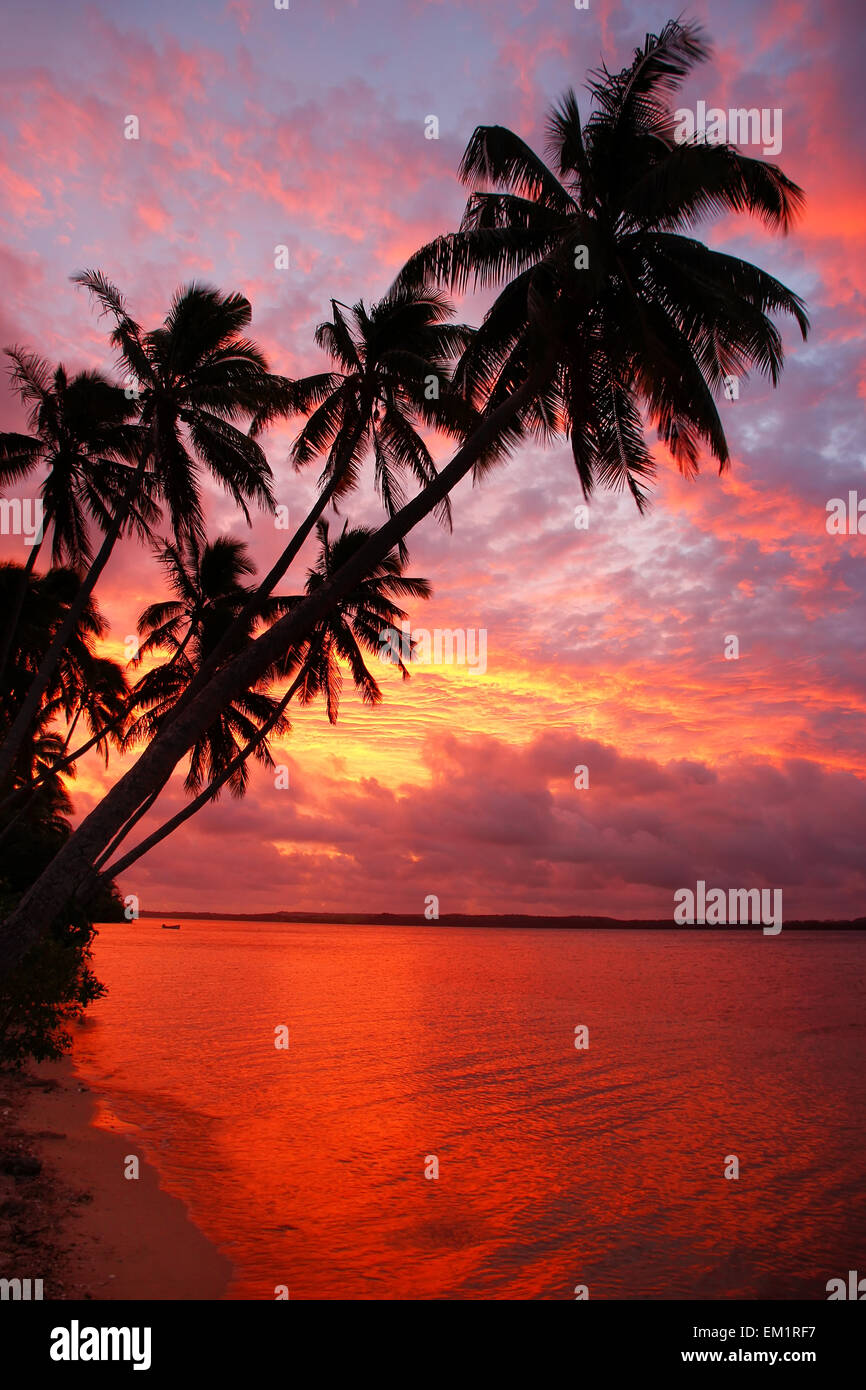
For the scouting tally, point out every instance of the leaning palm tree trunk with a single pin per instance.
(73, 725)
(45, 900)
(168, 827)
(31, 704)
(263, 591)
(124, 830)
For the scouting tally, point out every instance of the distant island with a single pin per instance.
(489, 919)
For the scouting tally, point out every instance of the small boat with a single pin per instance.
(171, 926)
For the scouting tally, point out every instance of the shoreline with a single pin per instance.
(502, 920)
(70, 1217)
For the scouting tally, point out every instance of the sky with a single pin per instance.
(605, 646)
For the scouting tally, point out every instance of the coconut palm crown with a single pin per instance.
(619, 311)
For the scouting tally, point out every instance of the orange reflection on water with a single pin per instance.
(557, 1166)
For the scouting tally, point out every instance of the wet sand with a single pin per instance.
(78, 1223)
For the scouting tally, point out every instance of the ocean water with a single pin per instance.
(558, 1167)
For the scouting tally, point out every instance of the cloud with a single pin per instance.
(500, 828)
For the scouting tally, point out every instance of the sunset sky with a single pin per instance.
(605, 647)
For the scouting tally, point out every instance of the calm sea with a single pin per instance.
(557, 1166)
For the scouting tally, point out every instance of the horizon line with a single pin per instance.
(491, 918)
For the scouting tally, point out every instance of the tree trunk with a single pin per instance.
(72, 727)
(210, 791)
(253, 606)
(45, 900)
(124, 830)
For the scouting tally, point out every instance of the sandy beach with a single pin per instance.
(69, 1216)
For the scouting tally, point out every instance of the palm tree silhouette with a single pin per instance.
(208, 581)
(391, 378)
(85, 687)
(634, 315)
(353, 627)
(85, 684)
(392, 375)
(84, 438)
(193, 378)
(210, 588)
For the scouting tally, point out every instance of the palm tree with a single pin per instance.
(210, 592)
(86, 687)
(194, 378)
(195, 375)
(631, 192)
(391, 377)
(210, 595)
(593, 254)
(208, 584)
(354, 626)
(83, 438)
